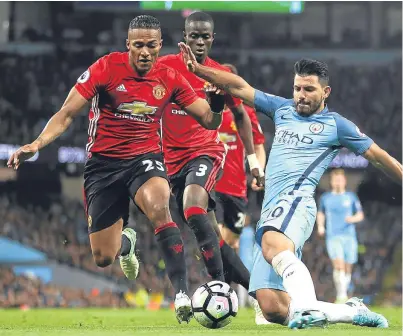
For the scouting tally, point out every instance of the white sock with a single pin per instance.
(291, 312)
(348, 281)
(242, 296)
(339, 279)
(336, 280)
(337, 313)
(297, 280)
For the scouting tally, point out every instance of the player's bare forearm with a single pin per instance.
(244, 127)
(261, 154)
(213, 120)
(320, 221)
(234, 85)
(200, 110)
(61, 120)
(383, 161)
(358, 217)
(53, 129)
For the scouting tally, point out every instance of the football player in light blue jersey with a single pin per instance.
(340, 210)
(307, 138)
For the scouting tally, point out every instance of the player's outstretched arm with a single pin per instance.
(383, 161)
(53, 129)
(233, 84)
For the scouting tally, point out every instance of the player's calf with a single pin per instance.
(198, 221)
(153, 199)
(234, 268)
(274, 305)
(195, 202)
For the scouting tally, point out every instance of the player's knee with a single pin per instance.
(233, 243)
(338, 264)
(273, 243)
(195, 196)
(159, 213)
(102, 260)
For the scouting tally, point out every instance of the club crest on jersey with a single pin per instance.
(159, 92)
(136, 108)
(316, 128)
(84, 77)
(233, 126)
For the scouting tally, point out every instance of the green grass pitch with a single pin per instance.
(136, 322)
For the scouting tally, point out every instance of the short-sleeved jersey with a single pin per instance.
(183, 139)
(126, 109)
(233, 180)
(303, 147)
(336, 208)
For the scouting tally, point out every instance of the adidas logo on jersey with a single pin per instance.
(121, 88)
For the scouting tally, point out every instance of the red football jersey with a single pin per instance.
(183, 139)
(233, 180)
(126, 110)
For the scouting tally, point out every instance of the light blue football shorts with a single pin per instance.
(292, 214)
(343, 248)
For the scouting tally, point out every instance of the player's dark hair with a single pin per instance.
(232, 68)
(145, 22)
(199, 16)
(337, 171)
(308, 67)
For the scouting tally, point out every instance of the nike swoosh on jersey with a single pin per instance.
(283, 117)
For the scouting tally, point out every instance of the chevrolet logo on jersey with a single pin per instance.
(226, 138)
(136, 108)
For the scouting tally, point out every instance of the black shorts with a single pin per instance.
(110, 183)
(231, 211)
(203, 171)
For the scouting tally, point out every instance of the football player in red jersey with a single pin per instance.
(129, 92)
(195, 156)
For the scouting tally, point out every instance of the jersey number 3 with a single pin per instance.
(202, 170)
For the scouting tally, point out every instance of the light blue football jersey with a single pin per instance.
(336, 208)
(303, 147)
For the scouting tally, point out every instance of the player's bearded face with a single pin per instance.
(199, 36)
(309, 95)
(144, 46)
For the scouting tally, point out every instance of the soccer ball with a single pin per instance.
(214, 304)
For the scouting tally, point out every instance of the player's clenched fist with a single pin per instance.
(22, 154)
(258, 180)
(256, 186)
